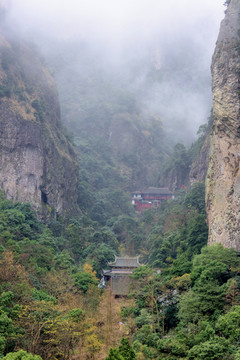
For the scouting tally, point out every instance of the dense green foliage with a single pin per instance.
(124, 351)
(193, 316)
(35, 258)
(186, 301)
(21, 355)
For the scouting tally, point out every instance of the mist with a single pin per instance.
(129, 40)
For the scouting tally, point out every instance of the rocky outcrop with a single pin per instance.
(199, 167)
(38, 163)
(223, 178)
(175, 179)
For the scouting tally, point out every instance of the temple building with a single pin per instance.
(119, 272)
(150, 198)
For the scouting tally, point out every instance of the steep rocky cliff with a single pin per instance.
(223, 178)
(199, 167)
(38, 163)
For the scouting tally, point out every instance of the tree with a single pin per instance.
(93, 345)
(215, 261)
(210, 274)
(228, 325)
(173, 346)
(7, 331)
(189, 307)
(13, 273)
(196, 197)
(181, 161)
(197, 234)
(126, 350)
(63, 333)
(51, 332)
(216, 349)
(64, 260)
(84, 280)
(144, 318)
(99, 256)
(35, 318)
(21, 355)
(114, 355)
(232, 296)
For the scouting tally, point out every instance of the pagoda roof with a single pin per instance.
(125, 261)
(155, 191)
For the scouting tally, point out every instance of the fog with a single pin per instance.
(174, 37)
(118, 22)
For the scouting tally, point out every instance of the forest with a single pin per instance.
(52, 308)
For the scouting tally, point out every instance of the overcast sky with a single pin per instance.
(120, 20)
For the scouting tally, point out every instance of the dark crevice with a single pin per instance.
(44, 197)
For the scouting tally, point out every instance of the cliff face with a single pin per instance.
(223, 178)
(37, 163)
(199, 167)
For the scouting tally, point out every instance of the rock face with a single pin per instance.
(175, 179)
(38, 163)
(199, 167)
(223, 178)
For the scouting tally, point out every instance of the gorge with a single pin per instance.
(82, 126)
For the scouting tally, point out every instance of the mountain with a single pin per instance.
(106, 114)
(223, 178)
(38, 163)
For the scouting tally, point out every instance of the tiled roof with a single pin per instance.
(153, 190)
(125, 261)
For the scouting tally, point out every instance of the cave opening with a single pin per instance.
(44, 197)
